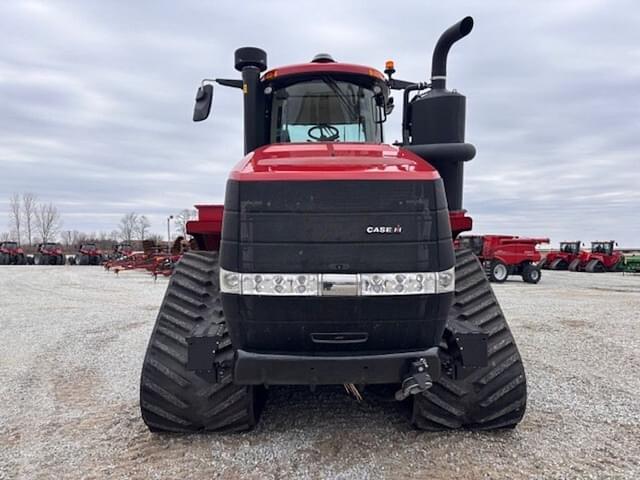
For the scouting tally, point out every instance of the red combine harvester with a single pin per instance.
(12, 254)
(332, 261)
(88, 254)
(504, 255)
(562, 258)
(49, 253)
(601, 258)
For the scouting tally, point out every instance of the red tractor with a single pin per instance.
(504, 255)
(562, 258)
(49, 253)
(601, 258)
(332, 261)
(88, 254)
(12, 254)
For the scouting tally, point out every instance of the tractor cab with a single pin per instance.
(570, 247)
(8, 246)
(604, 248)
(49, 247)
(318, 102)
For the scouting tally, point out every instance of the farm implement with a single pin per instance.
(153, 259)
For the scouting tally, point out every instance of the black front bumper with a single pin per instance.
(274, 369)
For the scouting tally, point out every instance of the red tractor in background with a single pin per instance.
(49, 253)
(11, 254)
(504, 255)
(601, 258)
(88, 254)
(562, 258)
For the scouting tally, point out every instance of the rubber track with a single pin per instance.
(173, 398)
(491, 397)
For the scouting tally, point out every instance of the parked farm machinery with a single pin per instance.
(602, 257)
(12, 254)
(504, 255)
(630, 263)
(152, 258)
(49, 253)
(88, 254)
(561, 259)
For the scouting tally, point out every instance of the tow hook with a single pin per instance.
(417, 381)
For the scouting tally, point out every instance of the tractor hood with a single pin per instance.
(332, 161)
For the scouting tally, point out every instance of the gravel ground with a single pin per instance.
(73, 339)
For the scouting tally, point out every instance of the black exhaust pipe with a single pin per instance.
(251, 62)
(439, 62)
(435, 120)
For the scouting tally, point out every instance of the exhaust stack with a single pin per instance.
(436, 125)
(439, 61)
(251, 62)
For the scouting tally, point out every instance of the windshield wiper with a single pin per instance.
(341, 95)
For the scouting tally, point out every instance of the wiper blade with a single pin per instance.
(341, 95)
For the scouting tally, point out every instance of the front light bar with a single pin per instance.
(337, 284)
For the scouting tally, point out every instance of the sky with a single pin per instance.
(96, 101)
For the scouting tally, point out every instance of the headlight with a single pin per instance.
(397, 283)
(330, 284)
(229, 281)
(289, 284)
(446, 281)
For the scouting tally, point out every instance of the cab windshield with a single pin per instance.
(325, 110)
(569, 247)
(605, 248)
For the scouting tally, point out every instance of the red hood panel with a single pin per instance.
(332, 161)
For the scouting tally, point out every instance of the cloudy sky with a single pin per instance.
(96, 101)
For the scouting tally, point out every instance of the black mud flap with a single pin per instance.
(469, 344)
(202, 346)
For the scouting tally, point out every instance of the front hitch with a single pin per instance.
(418, 380)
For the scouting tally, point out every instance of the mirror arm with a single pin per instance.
(395, 84)
(229, 82)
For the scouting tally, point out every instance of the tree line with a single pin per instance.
(32, 221)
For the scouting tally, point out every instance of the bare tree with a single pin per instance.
(142, 227)
(128, 226)
(181, 219)
(48, 221)
(29, 205)
(5, 237)
(15, 215)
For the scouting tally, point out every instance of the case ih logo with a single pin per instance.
(383, 229)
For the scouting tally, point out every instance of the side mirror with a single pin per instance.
(204, 98)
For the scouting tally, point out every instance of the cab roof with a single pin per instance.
(322, 67)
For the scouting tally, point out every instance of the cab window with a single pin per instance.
(325, 110)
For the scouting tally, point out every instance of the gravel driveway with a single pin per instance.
(73, 339)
